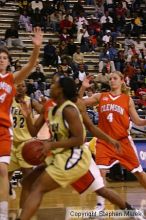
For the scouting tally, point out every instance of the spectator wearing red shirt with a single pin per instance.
(66, 23)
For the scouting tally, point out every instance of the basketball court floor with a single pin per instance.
(57, 203)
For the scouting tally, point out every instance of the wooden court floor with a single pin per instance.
(57, 203)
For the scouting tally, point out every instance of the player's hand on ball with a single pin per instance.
(45, 149)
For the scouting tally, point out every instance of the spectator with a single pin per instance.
(80, 74)
(78, 57)
(66, 24)
(54, 21)
(71, 47)
(64, 36)
(12, 38)
(107, 37)
(38, 79)
(49, 53)
(25, 22)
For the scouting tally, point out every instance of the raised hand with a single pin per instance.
(38, 36)
(86, 82)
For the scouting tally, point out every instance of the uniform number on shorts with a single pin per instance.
(18, 122)
(76, 155)
(110, 117)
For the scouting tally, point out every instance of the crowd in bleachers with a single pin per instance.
(79, 33)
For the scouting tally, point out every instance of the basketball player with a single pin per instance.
(7, 92)
(70, 162)
(21, 133)
(116, 110)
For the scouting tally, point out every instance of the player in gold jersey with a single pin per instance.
(71, 160)
(20, 132)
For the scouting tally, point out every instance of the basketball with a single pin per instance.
(31, 152)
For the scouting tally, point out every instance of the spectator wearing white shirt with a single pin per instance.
(80, 73)
(104, 18)
(36, 4)
(139, 44)
(107, 37)
(81, 21)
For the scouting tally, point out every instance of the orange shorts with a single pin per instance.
(107, 156)
(5, 144)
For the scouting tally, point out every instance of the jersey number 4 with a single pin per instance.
(110, 117)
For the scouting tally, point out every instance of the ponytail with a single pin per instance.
(125, 89)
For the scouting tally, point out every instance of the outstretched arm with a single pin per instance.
(134, 116)
(94, 99)
(96, 132)
(26, 70)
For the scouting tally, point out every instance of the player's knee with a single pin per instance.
(141, 176)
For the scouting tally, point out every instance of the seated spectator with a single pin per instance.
(103, 79)
(121, 11)
(65, 66)
(80, 74)
(38, 79)
(140, 45)
(71, 47)
(64, 36)
(120, 62)
(128, 42)
(81, 21)
(68, 14)
(25, 22)
(54, 21)
(63, 49)
(94, 27)
(132, 51)
(129, 70)
(107, 37)
(49, 53)
(66, 24)
(78, 57)
(99, 10)
(12, 38)
(142, 102)
(141, 91)
(106, 18)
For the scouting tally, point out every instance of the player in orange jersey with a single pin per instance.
(7, 92)
(116, 111)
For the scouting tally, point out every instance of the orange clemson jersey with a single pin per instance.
(114, 117)
(7, 92)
